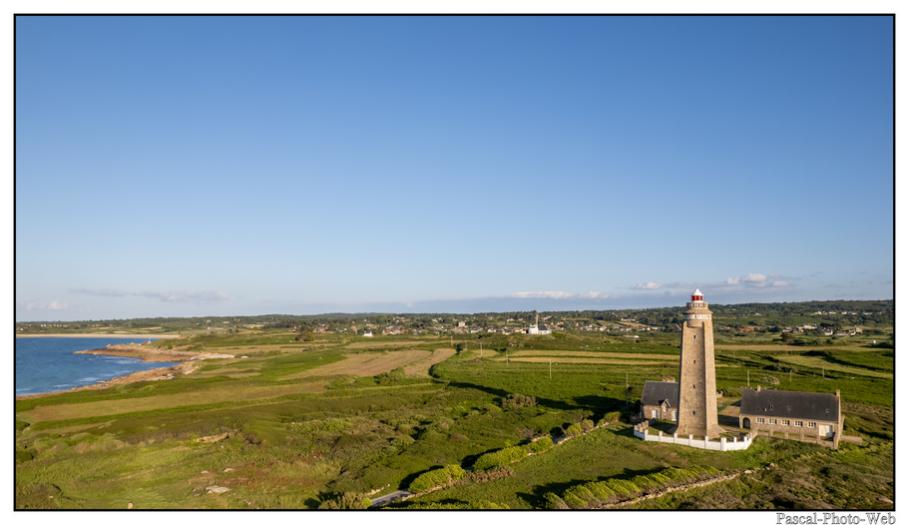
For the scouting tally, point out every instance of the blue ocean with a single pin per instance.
(49, 364)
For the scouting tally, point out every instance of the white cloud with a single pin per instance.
(204, 296)
(756, 280)
(32, 306)
(751, 279)
(649, 285)
(553, 294)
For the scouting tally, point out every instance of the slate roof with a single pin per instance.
(784, 403)
(655, 392)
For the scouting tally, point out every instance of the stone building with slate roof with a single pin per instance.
(660, 400)
(804, 416)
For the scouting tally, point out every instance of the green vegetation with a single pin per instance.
(437, 478)
(508, 455)
(324, 419)
(346, 500)
(599, 493)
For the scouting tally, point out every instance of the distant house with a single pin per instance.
(367, 334)
(805, 416)
(660, 400)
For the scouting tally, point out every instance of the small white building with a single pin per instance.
(535, 328)
(367, 333)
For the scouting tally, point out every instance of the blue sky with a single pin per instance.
(227, 165)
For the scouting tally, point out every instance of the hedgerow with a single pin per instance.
(505, 456)
(544, 443)
(598, 493)
(499, 458)
(437, 477)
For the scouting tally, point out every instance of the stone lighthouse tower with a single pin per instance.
(697, 374)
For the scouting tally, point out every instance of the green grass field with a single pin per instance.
(295, 424)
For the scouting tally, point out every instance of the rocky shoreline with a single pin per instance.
(188, 363)
(150, 353)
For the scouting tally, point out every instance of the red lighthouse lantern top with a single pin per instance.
(697, 295)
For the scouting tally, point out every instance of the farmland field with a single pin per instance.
(293, 424)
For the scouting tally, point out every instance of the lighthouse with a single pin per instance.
(697, 373)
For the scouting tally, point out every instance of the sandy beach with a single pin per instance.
(111, 336)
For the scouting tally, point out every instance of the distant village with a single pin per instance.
(794, 323)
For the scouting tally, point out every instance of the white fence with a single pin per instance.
(722, 444)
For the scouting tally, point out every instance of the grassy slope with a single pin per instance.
(291, 441)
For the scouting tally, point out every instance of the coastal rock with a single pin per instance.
(215, 489)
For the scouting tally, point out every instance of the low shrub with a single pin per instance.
(577, 429)
(499, 458)
(516, 401)
(598, 493)
(437, 477)
(540, 445)
(554, 502)
(345, 500)
(482, 476)
(390, 377)
(623, 487)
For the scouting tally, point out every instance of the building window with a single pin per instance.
(773, 421)
(785, 422)
(760, 420)
(812, 424)
(799, 423)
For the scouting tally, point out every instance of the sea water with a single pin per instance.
(49, 364)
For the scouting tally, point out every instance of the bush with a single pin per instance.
(612, 417)
(499, 458)
(436, 478)
(554, 502)
(540, 445)
(346, 500)
(391, 377)
(597, 493)
(516, 401)
(623, 487)
(577, 429)
(483, 476)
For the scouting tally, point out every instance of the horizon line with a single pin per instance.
(487, 312)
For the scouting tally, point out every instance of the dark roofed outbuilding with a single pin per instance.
(656, 392)
(788, 404)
